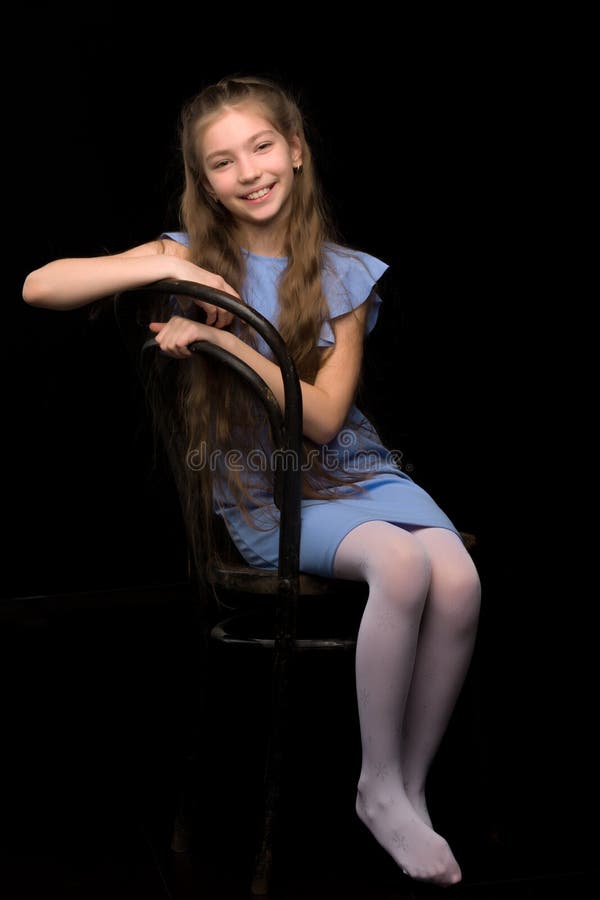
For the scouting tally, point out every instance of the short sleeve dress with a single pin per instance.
(390, 495)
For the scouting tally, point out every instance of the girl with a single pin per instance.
(254, 226)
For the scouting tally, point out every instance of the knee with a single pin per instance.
(401, 567)
(460, 593)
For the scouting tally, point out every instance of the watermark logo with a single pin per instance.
(343, 455)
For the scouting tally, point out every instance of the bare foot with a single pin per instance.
(420, 852)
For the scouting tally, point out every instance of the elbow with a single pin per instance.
(325, 436)
(34, 291)
(325, 432)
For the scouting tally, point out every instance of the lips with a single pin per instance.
(259, 193)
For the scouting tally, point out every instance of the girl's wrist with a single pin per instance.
(224, 339)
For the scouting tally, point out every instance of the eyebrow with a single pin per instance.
(249, 141)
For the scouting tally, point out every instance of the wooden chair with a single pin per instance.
(240, 589)
(269, 626)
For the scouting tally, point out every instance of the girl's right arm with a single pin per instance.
(70, 283)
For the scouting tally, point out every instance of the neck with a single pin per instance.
(267, 241)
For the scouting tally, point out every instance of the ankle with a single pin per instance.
(377, 792)
(415, 789)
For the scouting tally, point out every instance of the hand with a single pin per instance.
(215, 316)
(174, 336)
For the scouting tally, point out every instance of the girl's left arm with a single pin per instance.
(325, 403)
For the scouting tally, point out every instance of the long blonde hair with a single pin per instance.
(210, 396)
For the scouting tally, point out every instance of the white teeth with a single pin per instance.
(257, 194)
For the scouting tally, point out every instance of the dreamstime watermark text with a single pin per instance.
(342, 455)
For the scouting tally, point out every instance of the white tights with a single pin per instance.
(413, 650)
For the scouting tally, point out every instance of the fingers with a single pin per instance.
(174, 336)
(212, 312)
(215, 316)
(223, 318)
(174, 349)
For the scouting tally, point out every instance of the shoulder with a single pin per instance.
(345, 263)
(175, 243)
(348, 280)
(348, 277)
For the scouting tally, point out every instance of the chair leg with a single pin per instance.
(180, 838)
(191, 758)
(263, 865)
(183, 824)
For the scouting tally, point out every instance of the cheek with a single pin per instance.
(222, 183)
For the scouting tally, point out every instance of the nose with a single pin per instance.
(248, 170)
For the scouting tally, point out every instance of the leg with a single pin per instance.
(398, 572)
(445, 647)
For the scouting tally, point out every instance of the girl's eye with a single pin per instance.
(264, 146)
(220, 164)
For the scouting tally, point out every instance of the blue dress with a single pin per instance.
(348, 279)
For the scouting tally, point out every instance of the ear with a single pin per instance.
(296, 150)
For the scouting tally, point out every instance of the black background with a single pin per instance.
(415, 152)
(426, 133)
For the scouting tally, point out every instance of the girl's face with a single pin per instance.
(249, 165)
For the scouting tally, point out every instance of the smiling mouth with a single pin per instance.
(260, 193)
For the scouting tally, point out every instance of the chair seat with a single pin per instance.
(469, 540)
(257, 626)
(238, 577)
